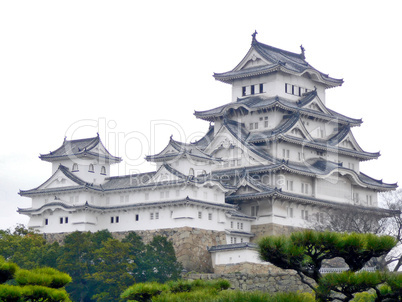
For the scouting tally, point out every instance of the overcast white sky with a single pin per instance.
(135, 71)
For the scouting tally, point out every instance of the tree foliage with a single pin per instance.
(101, 267)
(45, 284)
(305, 252)
(369, 220)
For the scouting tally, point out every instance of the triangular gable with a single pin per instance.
(317, 105)
(252, 59)
(58, 180)
(163, 175)
(246, 189)
(299, 131)
(349, 142)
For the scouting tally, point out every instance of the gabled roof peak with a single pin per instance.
(89, 147)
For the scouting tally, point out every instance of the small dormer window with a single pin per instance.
(103, 170)
(75, 168)
(191, 172)
(91, 168)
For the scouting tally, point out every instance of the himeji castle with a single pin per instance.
(274, 159)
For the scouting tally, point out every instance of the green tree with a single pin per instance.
(138, 249)
(161, 261)
(44, 284)
(113, 270)
(305, 252)
(77, 258)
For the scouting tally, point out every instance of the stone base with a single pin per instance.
(190, 244)
(272, 282)
(272, 229)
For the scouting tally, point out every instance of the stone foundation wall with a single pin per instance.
(190, 244)
(271, 229)
(281, 281)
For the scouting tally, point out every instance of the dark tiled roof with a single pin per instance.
(130, 206)
(278, 59)
(253, 103)
(206, 139)
(79, 148)
(235, 246)
(80, 184)
(191, 150)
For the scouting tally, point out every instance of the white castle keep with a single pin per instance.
(273, 158)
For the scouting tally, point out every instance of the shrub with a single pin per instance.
(143, 292)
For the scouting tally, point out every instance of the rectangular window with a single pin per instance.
(209, 216)
(117, 219)
(300, 156)
(356, 197)
(231, 224)
(251, 126)
(111, 219)
(65, 219)
(243, 91)
(46, 221)
(241, 225)
(261, 88)
(137, 217)
(285, 153)
(238, 225)
(157, 215)
(304, 188)
(254, 210)
(266, 124)
(290, 212)
(252, 89)
(255, 125)
(289, 185)
(151, 216)
(304, 214)
(200, 215)
(61, 220)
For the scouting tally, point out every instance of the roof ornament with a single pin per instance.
(302, 52)
(254, 38)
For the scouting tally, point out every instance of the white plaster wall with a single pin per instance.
(235, 256)
(274, 85)
(83, 164)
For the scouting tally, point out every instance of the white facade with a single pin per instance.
(275, 155)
